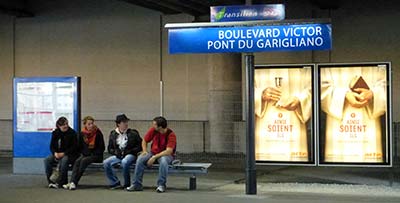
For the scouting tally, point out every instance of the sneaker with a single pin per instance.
(66, 186)
(53, 185)
(72, 186)
(134, 188)
(160, 189)
(116, 186)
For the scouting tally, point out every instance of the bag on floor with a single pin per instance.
(55, 175)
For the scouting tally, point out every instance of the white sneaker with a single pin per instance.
(72, 186)
(53, 185)
(66, 186)
(160, 189)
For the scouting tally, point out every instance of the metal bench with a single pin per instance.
(191, 169)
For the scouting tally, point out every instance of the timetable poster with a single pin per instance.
(41, 103)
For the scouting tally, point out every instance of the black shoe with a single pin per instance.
(116, 186)
(134, 188)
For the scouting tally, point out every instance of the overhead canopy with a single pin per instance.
(23, 8)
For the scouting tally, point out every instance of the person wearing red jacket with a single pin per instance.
(163, 148)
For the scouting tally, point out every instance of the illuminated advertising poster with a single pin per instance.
(283, 114)
(354, 116)
(40, 104)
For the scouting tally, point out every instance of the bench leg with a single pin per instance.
(192, 182)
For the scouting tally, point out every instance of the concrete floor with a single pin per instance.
(217, 186)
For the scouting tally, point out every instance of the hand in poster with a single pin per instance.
(292, 104)
(359, 98)
(271, 94)
(365, 94)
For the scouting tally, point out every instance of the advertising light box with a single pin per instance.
(355, 114)
(283, 102)
(247, 13)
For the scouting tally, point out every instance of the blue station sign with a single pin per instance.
(247, 13)
(267, 38)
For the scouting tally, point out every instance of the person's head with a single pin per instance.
(159, 123)
(122, 122)
(62, 124)
(88, 122)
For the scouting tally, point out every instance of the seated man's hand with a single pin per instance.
(151, 161)
(143, 153)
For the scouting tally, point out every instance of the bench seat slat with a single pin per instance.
(190, 168)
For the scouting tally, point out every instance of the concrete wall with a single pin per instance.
(224, 100)
(112, 45)
(185, 78)
(6, 75)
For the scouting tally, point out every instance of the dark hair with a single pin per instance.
(161, 121)
(61, 121)
(121, 118)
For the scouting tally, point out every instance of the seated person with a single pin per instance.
(124, 145)
(91, 146)
(163, 147)
(64, 151)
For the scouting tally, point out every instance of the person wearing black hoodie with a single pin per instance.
(91, 146)
(64, 151)
(124, 145)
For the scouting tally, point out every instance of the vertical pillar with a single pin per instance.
(251, 179)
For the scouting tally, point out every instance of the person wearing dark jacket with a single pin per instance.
(91, 146)
(64, 151)
(124, 145)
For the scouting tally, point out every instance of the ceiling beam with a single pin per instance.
(19, 13)
(177, 7)
(195, 5)
(223, 2)
(192, 7)
(146, 4)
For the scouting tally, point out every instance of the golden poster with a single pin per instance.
(283, 108)
(354, 103)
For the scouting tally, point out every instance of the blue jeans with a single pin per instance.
(141, 164)
(50, 161)
(126, 163)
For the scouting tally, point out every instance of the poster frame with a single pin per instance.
(389, 127)
(313, 122)
(37, 140)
